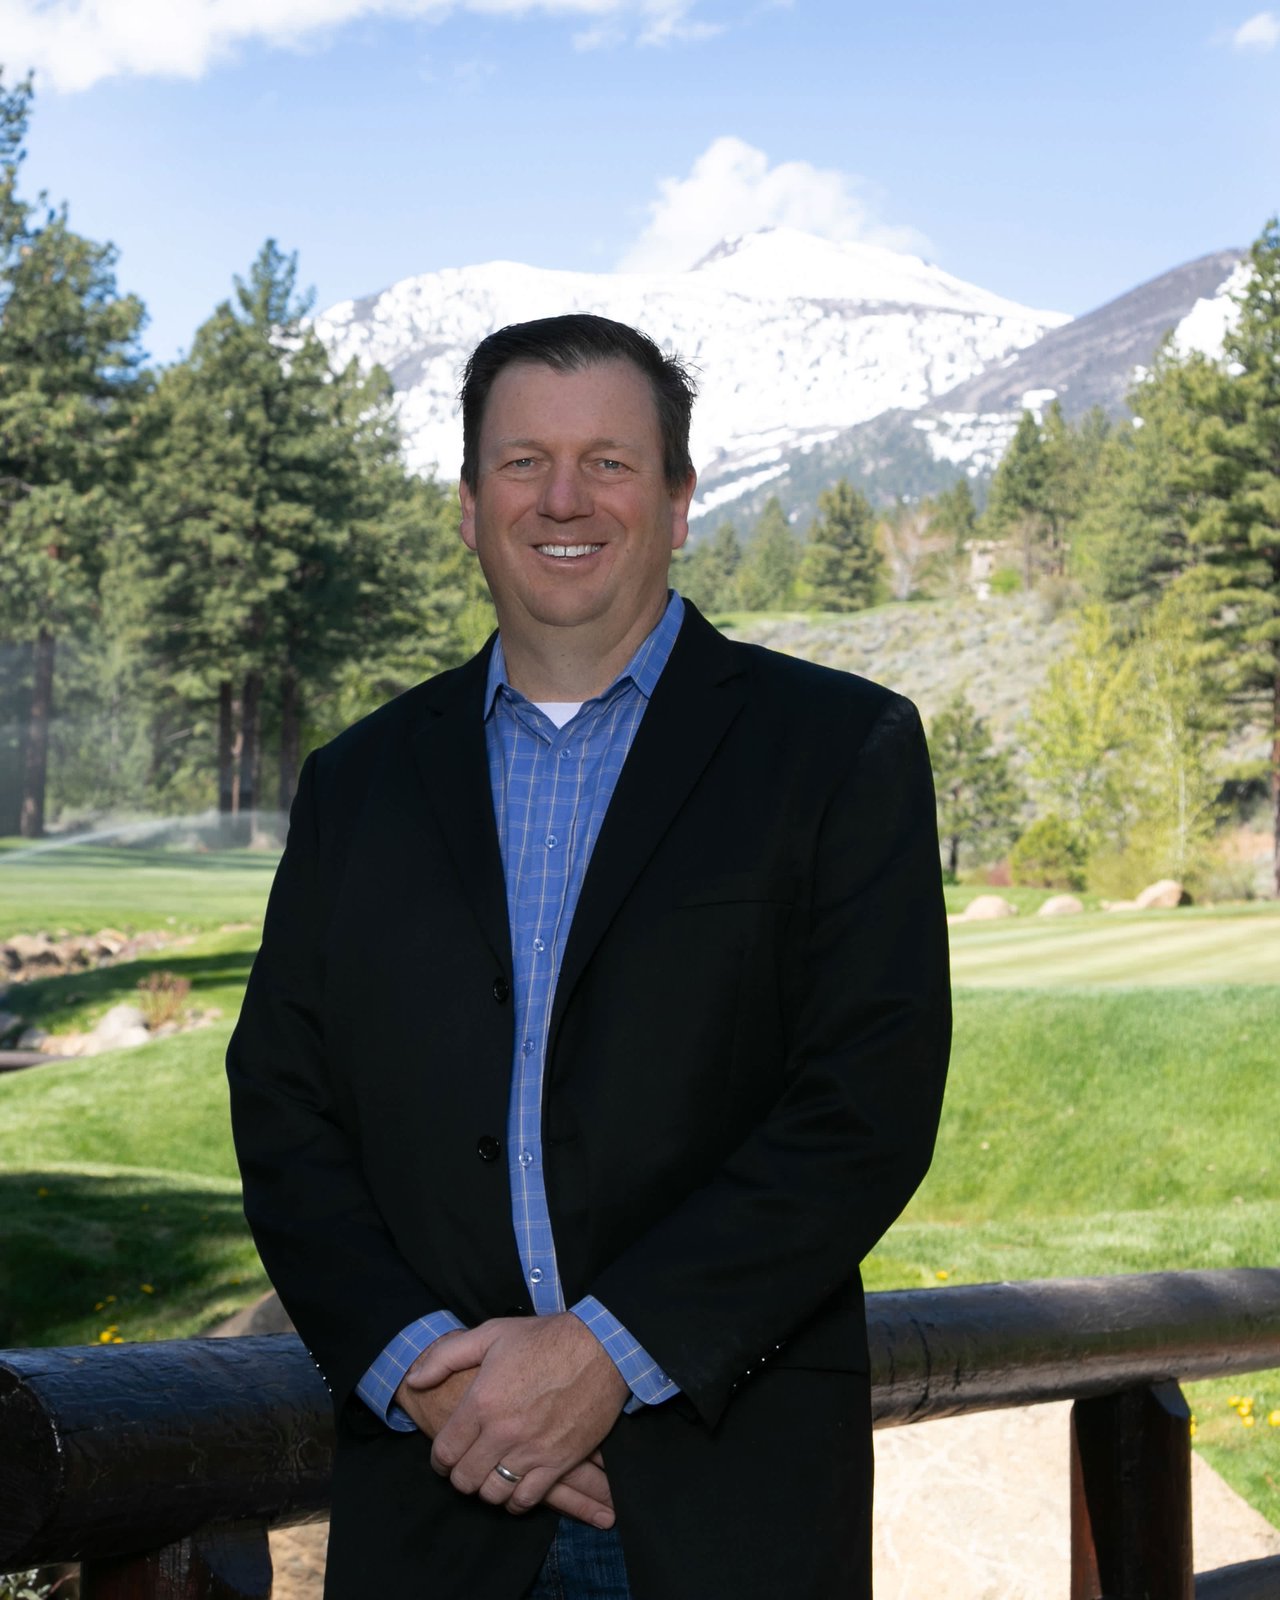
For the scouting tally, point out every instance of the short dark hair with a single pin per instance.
(567, 344)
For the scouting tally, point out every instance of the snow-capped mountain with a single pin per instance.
(793, 339)
(1092, 361)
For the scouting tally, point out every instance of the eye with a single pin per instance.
(610, 464)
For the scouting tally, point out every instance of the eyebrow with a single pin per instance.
(539, 444)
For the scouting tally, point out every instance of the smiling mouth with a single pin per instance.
(566, 552)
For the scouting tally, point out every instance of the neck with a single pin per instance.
(566, 663)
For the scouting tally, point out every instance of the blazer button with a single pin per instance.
(518, 1310)
(501, 990)
(488, 1148)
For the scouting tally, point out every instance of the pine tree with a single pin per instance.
(261, 543)
(841, 566)
(1016, 502)
(69, 387)
(707, 572)
(1230, 493)
(978, 796)
(767, 577)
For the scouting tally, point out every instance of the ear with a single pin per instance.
(681, 499)
(467, 527)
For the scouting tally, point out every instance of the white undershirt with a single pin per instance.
(559, 711)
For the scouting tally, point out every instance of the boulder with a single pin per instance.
(987, 908)
(1163, 896)
(121, 1027)
(1119, 905)
(32, 1038)
(1061, 905)
(9, 1020)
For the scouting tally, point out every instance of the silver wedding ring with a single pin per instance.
(506, 1474)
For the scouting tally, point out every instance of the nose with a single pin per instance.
(565, 494)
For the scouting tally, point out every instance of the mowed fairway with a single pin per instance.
(1241, 946)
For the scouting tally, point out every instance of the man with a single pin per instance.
(604, 979)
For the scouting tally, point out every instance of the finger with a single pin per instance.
(452, 1444)
(588, 1479)
(531, 1491)
(572, 1503)
(452, 1352)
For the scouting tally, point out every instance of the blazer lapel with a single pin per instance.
(449, 748)
(696, 699)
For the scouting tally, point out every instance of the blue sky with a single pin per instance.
(1058, 155)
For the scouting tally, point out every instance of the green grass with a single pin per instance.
(82, 888)
(1215, 945)
(1109, 1110)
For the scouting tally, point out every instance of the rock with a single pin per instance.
(1163, 896)
(1061, 905)
(110, 941)
(1119, 905)
(987, 908)
(32, 1038)
(9, 1020)
(120, 1029)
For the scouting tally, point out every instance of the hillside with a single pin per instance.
(998, 651)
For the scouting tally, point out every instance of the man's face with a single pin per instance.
(571, 516)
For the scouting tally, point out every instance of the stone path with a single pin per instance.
(968, 1508)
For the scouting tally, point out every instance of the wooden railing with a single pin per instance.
(160, 1467)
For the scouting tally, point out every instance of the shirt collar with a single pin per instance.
(644, 669)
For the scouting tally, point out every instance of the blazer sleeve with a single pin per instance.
(321, 1237)
(745, 1260)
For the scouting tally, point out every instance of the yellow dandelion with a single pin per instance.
(1193, 1427)
(107, 1336)
(117, 1340)
(1233, 1400)
(1247, 1419)
(147, 1288)
(1273, 1419)
(42, 1193)
(1245, 1406)
(109, 1298)
(942, 1274)
(100, 1306)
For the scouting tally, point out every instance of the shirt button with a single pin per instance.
(501, 990)
(552, 841)
(566, 752)
(536, 1275)
(526, 1047)
(538, 946)
(488, 1148)
(525, 1158)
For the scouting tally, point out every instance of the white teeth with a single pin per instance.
(562, 551)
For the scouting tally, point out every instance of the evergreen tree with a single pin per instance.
(953, 515)
(978, 796)
(841, 566)
(263, 533)
(69, 387)
(707, 573)
(1230, 493)
(1015, 505)
(767, 576)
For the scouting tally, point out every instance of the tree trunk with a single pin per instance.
(251, 743)
(290, 740)
(36, 766)
(953, 856)
(226, 751)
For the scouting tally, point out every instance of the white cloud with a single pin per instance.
(1261, 32)
(732, 190)
(74, 44)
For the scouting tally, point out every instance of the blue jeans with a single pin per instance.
(583, 1563)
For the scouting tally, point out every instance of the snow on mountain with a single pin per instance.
(792, 338)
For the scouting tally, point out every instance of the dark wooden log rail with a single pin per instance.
(160, 1466)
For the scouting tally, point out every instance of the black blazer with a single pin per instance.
(744, 1076)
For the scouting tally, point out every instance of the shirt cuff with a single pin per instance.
(649, 1385)
(378, 1386)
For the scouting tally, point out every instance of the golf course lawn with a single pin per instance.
(1113, 1106)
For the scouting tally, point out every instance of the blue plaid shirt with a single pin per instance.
(551, 789)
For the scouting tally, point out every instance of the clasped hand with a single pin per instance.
(537, 1394)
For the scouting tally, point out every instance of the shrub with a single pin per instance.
(162, 998)
(1048, 856)
(1006, 580)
